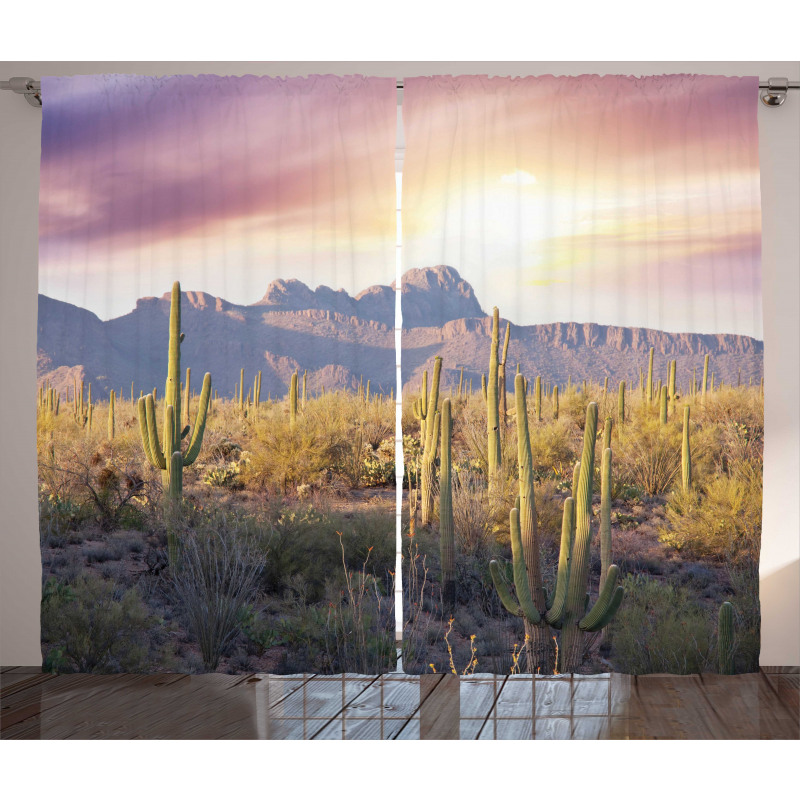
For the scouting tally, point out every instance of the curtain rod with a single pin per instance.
(773, 94)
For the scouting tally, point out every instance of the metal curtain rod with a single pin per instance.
(773, 94)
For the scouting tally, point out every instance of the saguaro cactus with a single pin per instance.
(605, 512)
(569, 600)
(673, 393)
(430, 441)
(555, 402)
(649, 390)
(447, 547)
(187, 396)
(663, 405)
(621, 404)
(501, 382)
(293, 399)
(725, 642)
(704, 385)
(168, 457)
(537, 394)
(493, 454)
(686, 454)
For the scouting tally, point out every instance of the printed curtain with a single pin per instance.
(216, 373)
(582, 374)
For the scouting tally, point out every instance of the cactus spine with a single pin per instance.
(446, 525)
(725, 642)
(111, 421)
(169, 458)
(493, 453)
(430, 421)
(686, 454)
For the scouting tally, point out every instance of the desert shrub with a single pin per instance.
(261, 635)
(91, 625)
(659, 628)
(379, 464)
(552, 447)
(648, 454)
(301, 543)
(472, 516)
(216, 576)
(723, 522)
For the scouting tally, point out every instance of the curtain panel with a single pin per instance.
(216, 367)
(582, 355)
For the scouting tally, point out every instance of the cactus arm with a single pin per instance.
(608, 613)
(598, 611)
(556, 610)
(158, 459)
(175, 475)
(502, 590)
(172, 390)
(199, 423)
(185, 432)
(143, 430)
(521, 584)
(605, 513)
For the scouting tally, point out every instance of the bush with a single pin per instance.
(659, 628)
(723, 523)
(215, 578)
(648, 454)
(91, 625)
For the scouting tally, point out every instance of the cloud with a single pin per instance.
(519, 177)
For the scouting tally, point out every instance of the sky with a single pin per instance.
(609, 199)
(223, 183)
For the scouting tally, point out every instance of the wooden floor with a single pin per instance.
(762, 705)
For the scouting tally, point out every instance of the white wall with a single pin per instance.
(779, 133)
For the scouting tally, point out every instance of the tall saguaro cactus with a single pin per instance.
(293, 400)
(704, 385)
(111, 420)
(686, 454)
(447, 547)
(166, 454)
(621, 404)
(493, 455)
(567, 611)
(649, 390)
(430, 420)
(555, 402)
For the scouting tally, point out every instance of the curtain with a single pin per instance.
(216, 371)
(582, 355)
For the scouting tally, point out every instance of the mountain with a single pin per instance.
(338, 339)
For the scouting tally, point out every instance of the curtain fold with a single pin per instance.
(582, 290)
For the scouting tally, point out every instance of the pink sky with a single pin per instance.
(603, 199)
(223, 183)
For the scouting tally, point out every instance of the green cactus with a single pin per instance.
(461, 382)
(111, 420)
(568, 610)
(501, 383)
(241, 392)
(704, 384)
(446, 525)
(607, 429)
(672, 389)
(621, 404)
(537, 397)
(186, 396)
(605, 508)
(686, 454)
(483, 388)
(293, 400)
(725, 640)
(649, 390)
(575, 622)
(555, 402)
(305, 387)
(420, 406)
(493, 453)
(89, 410)
(430, 421)
(663, 405)
(168, 457)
